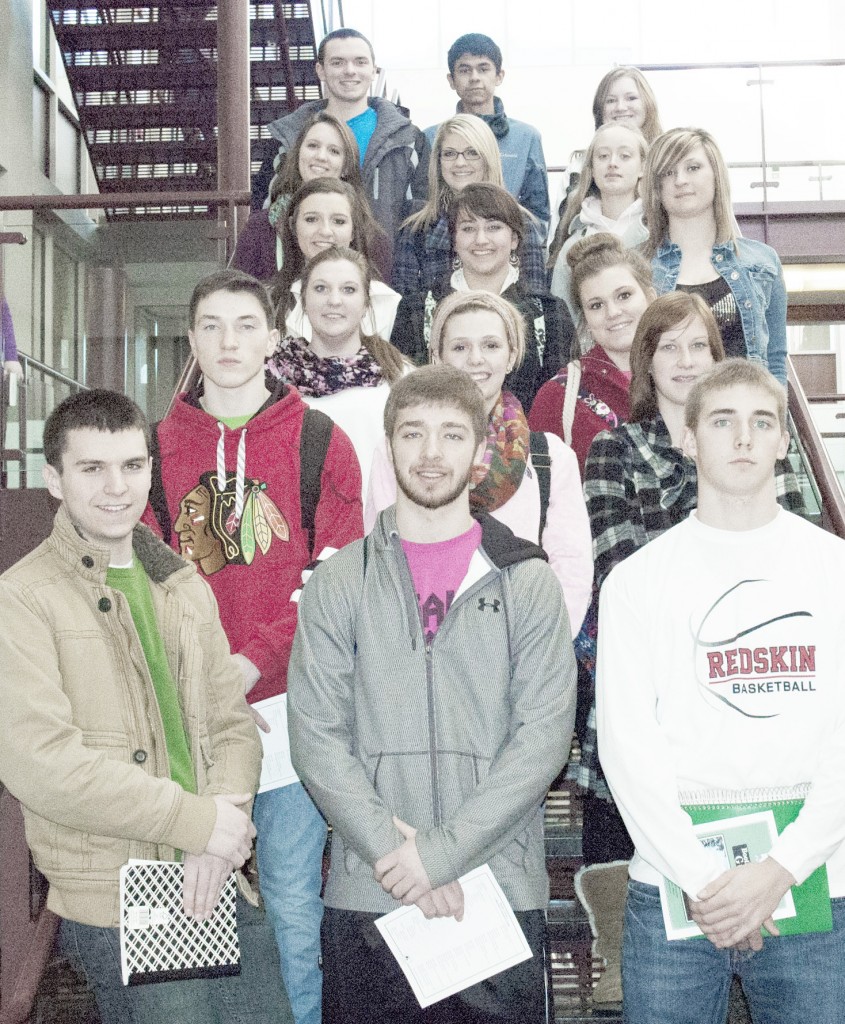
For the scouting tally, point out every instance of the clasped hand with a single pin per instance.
(402, 874)
(228, 847)
(733, 907)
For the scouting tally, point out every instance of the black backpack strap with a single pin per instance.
(158, 499)
(313, 448)
(542, 463)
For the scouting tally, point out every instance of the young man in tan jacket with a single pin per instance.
(124, 731)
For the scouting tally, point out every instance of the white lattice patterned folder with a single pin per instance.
(158, 941)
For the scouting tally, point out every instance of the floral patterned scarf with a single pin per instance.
(316, 376)
(500, 473)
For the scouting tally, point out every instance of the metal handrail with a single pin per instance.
(50, 371)
(830, 490)
(232, 201)
(20, 453)
(105, 200)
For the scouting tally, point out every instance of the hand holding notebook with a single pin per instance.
(735, 905)
(158, 941)
(739, 830)
(205, 876)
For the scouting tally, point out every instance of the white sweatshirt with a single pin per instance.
(721, 666)
(628, 226)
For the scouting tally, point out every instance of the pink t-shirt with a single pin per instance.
(437, 571)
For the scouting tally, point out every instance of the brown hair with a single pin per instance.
(591, 255)
(437, 385)
(389, 358)
(342, 33)
(492, 202)
(727, 375)
(651, 125)
(664, 314)
(364, 231)
(232, 281)
(664, 154)
(288, 179)
(478, 301)
(107, 411)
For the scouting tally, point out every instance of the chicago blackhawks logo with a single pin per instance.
(210, 533)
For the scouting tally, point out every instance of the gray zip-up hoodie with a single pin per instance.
(460, 738)
(395, 168)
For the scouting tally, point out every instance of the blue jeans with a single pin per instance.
(291, 838)
(792, 980)
(255, 996)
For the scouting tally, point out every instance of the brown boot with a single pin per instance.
(602, 889)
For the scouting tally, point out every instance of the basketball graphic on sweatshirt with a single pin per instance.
(213, 532)
(755, 648)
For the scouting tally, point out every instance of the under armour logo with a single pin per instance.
(482, 604)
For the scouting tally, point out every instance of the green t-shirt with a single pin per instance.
(233, 422)
(135, 586)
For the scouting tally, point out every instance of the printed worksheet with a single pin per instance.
(444, 956)
(276, 769)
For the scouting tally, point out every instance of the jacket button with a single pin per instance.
(139, 756)
(735, 275)
(719, 258)
(748, 303)
(104, 604)
(88, 561)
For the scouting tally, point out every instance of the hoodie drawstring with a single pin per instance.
(240, 471)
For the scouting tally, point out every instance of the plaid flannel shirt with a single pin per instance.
(421, 258)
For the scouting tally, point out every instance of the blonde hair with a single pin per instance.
(651, 127)
(666, 152)
(476, 134)
(587, 185)
(471, 302)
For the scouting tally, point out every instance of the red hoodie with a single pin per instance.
(602, 402)
(253, 561)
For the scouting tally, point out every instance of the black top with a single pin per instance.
(719, 298)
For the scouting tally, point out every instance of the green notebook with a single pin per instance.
(742, 830)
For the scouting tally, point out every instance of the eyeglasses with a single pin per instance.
(451, 155)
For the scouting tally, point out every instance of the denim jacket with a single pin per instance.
(753, 273)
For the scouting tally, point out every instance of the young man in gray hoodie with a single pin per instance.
(431, 701)
(394, 152)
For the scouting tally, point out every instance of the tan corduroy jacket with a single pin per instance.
(81, 738)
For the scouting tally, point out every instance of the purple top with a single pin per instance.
(255, 252)
(7, 335)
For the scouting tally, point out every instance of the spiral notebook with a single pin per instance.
(158, 941)
(741, 828)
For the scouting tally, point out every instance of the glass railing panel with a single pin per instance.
(801, 107)
(784, 122)
(813, 423)
(719, 100)
(806, 478)
(829, 418)
(805, 181)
